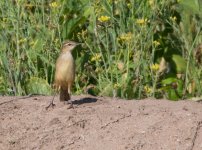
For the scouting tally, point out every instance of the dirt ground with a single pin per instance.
(99, 123)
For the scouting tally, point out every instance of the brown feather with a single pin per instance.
(65, 71)
(64, 95)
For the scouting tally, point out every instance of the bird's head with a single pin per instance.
(69, 45)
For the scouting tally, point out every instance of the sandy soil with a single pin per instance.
(99, 123)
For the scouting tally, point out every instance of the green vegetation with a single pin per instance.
(131, 48)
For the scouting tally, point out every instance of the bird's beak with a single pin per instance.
(78, 44)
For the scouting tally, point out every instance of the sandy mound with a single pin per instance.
(99, 123)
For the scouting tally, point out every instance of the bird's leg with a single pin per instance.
(69, 92)
(51, 103)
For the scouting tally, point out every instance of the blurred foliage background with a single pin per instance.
(131, 48)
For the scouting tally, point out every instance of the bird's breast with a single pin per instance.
(65, 68)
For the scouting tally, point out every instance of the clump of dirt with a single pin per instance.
(99, 123)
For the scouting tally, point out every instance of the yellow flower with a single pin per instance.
(96, 57)
(4, 22)
(155, 67)
(19, 1)
(115, 1)
(129, 5)
(117, 85)
(125, 37)
(5, 19)
(54, 4)
(33, 43)
(22, 40)
(174, 18)
(141, 21)
(82, 34)
(151, 2)
(156, 43)
(56, 40)
(104, 18)
(147, 89)
(98, 70)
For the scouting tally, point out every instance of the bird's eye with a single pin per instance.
(67, 44)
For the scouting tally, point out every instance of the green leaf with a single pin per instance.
(38, 86)
(168, 81)
(173, 88)
(179, 63)
(172, 95)
(192, 6)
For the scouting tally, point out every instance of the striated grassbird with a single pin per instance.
(65, 71)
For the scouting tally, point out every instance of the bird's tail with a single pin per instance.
(64, 95)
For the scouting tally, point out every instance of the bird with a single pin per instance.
(65, 71)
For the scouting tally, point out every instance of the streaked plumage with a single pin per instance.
(65, 70)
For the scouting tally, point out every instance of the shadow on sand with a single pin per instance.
(84, 100)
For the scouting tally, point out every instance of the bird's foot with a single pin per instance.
(69, 103)
(50, 105)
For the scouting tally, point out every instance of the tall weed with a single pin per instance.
(131, 49)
